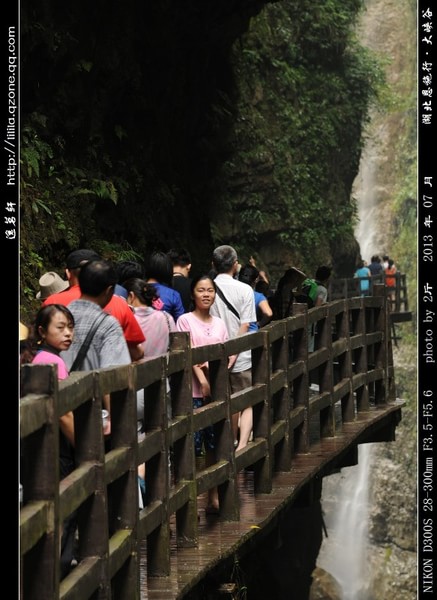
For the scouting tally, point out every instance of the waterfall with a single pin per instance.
(345, 497)
(347, 505)
(369, 194)
(344, 551)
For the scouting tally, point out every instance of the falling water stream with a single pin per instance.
(345, 497)
(346, 513)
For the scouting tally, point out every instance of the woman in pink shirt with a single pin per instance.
(204, 329)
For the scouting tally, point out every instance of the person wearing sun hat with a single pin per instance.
(50, 283)
(117, 306)
(74, 261)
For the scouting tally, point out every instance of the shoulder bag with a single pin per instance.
(226, 301)
(78, 361)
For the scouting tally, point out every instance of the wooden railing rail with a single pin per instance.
(350, 287)
(350, 369)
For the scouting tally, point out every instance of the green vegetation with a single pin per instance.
(304, 87)
(192, 124)
(404, 205)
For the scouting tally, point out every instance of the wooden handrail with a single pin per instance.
(349, 287)
(350, 368)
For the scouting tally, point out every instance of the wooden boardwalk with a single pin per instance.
(220, 541)
(310, 411)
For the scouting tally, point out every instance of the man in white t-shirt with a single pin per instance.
(240, 297)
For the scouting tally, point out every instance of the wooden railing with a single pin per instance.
(352, 366)
(350, 287)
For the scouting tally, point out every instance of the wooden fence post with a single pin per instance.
(359, 350)
(280, 391)
(385, 353)
(92, 514)
(39, 475)
(157, 467)
(326, 375)
(182, 456)
(123, 488)
(300, 387)
(261, 374)
(342, 322)
(220, 390)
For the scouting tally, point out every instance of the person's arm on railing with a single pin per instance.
(201, 373)
(66, 425)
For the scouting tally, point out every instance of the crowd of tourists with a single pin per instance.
(382, 270)
(104, 315)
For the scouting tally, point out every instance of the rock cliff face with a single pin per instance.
(153, 125)
(302, 90)
(392, 523)
(391, 502)
(391, 124)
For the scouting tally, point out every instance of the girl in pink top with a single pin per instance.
(53, 333)
(204, 329)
